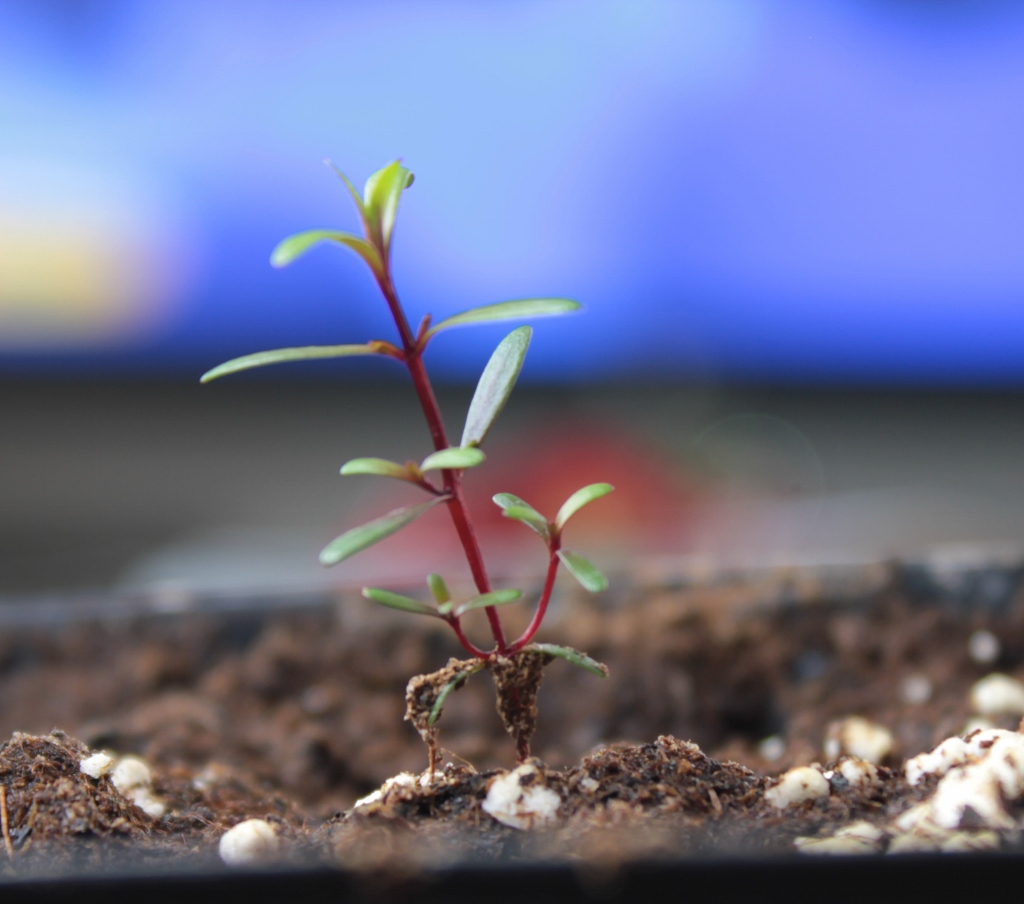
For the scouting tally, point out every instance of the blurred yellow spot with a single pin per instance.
(73, 283)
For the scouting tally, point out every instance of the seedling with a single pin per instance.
(515, 665)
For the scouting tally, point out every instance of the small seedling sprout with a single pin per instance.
(515, 665)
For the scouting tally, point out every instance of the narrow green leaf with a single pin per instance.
(453, 458)
(583, 570)
(507, 310)
(494, 598)
(579, 499)
(573, 656)
(283, 355)
(381, 195)
(355, 196)
(456, 682)
(296, 245)
(380, 467)
(495, 385)
(438, 588)
(397, 601)
(515, 508)
(357, 539)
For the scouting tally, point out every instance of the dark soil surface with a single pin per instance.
(290, 713)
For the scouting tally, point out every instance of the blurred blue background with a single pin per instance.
(809, 192)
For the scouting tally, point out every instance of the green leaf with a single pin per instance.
(380, 467)
(579, 499)
(438, 588)
(507, 310)
(452, 685)
(584, 572)
(495, 385)
(381, 196)
(283, 355)
(296, 245)
(397, 601)
(494, 598)
(452, 459)
(531, 518)
(515, 508)
(355, 195)
(573, 656)
(359, 538)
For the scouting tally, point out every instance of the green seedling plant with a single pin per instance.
(515, 664)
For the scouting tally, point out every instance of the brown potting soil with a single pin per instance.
(290, 713)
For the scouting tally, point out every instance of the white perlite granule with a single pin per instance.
(860, 738)
(983, 647)
(97, 765)
(979, 775)
(249, 843)
(857, 772)
(402, 780)
(520, 799)
(796, 786)
(130, 773)
(997, 695)
(132, 777)
(916, 689)
(772, 748)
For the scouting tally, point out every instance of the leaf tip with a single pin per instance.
(280, 257)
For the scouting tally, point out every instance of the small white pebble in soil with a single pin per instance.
(772, 748)
(916, 689)
(983, 647)
(249, 843)
(97, 765)
(521, 800)
(129, 773)
(589, 784)
(998, 695)
(858, 773)
(796, 786)
(859, 737)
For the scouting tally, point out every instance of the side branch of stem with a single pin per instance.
(542, 605)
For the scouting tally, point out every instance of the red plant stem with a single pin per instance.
(452, 479)
(467, 644)
(542, 606)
